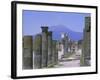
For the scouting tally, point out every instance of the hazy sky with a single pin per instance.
(33, 20)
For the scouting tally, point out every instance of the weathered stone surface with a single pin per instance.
(50, 49)
(55, 52)
(37, 55)
(65, 43)
(86, 54)
(44, 46)
(27, 52)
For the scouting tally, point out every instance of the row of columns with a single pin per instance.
(42, 50)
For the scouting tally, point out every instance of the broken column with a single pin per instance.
(49, 49)
(44, 46)
(37, 55)
(27, 52)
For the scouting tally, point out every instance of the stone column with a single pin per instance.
(37, 55)
(86, 54)
(44, 46)
(65, 44)
(49, 49)
(55, 53)
(27, 52)
(70, 44)
(56, 56)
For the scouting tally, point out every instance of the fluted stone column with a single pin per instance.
(55, 53)
(49, 49)
(27, 52)
(37, 55)
(86, 54)
(44, 46)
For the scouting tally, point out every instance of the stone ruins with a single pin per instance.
(41, 51)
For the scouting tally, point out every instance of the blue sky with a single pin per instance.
(33, 20)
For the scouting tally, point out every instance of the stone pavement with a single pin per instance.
(72, 61)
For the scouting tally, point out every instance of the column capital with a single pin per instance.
(44, 28)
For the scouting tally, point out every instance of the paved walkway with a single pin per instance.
(73, 61)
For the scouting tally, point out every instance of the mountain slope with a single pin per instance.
(58, 30)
